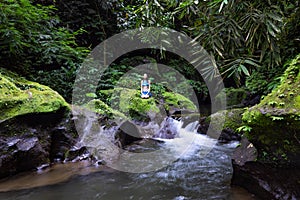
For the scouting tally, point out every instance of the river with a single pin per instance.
(192, 175)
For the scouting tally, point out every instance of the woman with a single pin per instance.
(145, 87)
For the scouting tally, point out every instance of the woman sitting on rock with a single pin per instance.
(145, 87)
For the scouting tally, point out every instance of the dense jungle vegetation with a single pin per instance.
(47, 40)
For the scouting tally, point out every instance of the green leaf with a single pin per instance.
(275, 118)
(244, 128)
(248, 61)
(274, 27)
(275, 17)
(245, 70)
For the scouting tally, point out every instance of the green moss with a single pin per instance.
(231, 118)
(178, 101)
(129, 102)
(234, 96)
(19, 96)
(276, 119)
(297, 102)
(100, 107)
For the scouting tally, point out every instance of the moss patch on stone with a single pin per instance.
(275, 122)
(234, 97)
(129, 102)
(228, 118)
(100, 107)
(178, 101)
(19, 96)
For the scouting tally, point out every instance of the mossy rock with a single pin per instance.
(129, 102)
(234, 97)
(224, 120)
(232, 118)
(275, 122)
(19, 96)
(101, 108)
(178, 101)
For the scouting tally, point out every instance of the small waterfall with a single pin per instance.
(169, 129)
(192, 127)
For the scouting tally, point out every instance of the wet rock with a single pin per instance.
(186, 116)
(34, 129)
(43, 167)
(231, 120)
(75, 153)
(145, 145)
(168, 130)
(63, 138)
(127, 134)
(274, 122)
(26, 154)
(203, 125)
(245, 152)
(26, 144)
(268, 182)
(234, 97)
(264, 180)
(228, 135)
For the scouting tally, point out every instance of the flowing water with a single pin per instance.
(198, 172)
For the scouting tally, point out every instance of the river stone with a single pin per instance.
(127, 133)
(19, 96)
(268, 182)
(234, 97)
(168, 129)
(275, 121)
(275, 128)
(35, 125)
(27, 144)
(245, 152)
(228, 135)
(232, 119)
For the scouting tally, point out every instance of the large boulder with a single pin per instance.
(19, 97)
(35, 125)
(275, 122)
(267, 182)
(127, 133)
(231, 121)
(103, 109)
(235, 97)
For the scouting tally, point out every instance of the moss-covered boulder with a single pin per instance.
(35, 125)
(234, 97)
(275, 122)
(102, 108)
(177, 101)
(223, 125)
(129, 102)
(19, 97)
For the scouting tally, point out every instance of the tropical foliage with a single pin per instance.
(244, 36)
(46, 41)
(31, 36)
